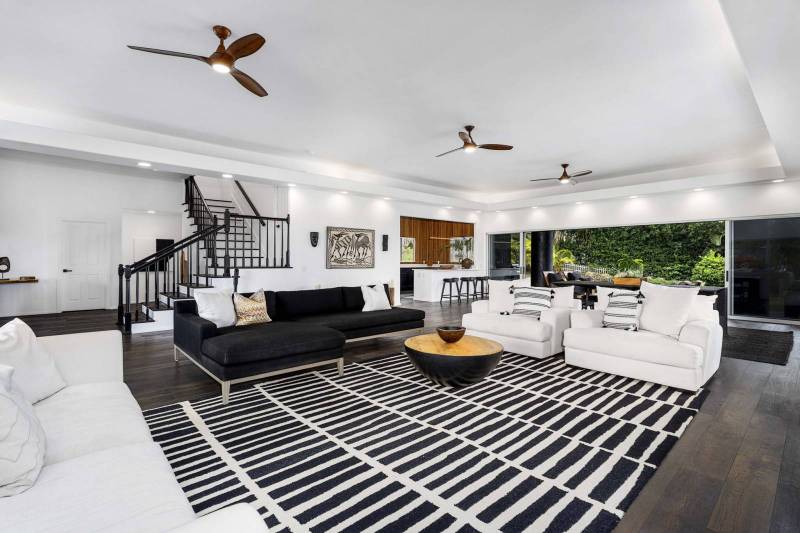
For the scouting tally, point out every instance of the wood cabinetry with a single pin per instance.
(432, 250)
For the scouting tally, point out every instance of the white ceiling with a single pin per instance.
(626, 88)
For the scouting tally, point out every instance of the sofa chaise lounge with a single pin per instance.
(309, 328)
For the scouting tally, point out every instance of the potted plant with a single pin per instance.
(630, 272)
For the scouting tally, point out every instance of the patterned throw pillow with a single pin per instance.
(531, 301)
(251, 310)
(623, 311)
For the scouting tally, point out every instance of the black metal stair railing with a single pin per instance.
(217, 249)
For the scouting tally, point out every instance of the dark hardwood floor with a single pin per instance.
(737, 467)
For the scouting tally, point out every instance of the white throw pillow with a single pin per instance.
(22, 439)
(563, 296)
(35, 371)
(216, 305)
(666, 309)
(623, 310)
(703, 308)
(531, 301)
(501, 298)
(375, 298)
(603, 292)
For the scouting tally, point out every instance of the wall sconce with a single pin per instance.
(385, 243)
(314, 236)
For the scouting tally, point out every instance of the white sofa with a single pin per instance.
(102, 469)
(518, 333)
(687, 362)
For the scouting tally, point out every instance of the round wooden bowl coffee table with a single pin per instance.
(453, 364)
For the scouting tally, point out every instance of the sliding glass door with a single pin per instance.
(504, 256)
(765, 264)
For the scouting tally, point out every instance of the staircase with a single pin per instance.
(224, 241)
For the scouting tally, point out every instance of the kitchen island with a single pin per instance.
(428, 281)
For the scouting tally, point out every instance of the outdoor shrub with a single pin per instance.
(710, 269)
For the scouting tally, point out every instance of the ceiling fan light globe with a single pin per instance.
(563, 181)
(222, 68)
(470, 148)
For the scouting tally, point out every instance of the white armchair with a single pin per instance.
(518, 333)
(686, 362)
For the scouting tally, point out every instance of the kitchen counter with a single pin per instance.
(428, 281)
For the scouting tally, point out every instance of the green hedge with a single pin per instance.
(669, 251)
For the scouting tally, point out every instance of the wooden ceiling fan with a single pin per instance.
(223, 59)
(470, 145)
(565, 178)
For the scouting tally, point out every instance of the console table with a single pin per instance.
(12, 281)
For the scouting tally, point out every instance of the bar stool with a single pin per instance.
(484, 281)
(449, 282)
(468, 280)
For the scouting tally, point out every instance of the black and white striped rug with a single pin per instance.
(537, 446)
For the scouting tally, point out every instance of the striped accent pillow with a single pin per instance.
(531, 301)
(623, 311)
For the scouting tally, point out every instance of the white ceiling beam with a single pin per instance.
(767, 37)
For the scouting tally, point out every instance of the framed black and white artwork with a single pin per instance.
(350, 248)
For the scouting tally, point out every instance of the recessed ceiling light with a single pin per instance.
(343, 192)
(633, 197)
(227, 176)
(291, 185)
(143, 164)
(578, 203)
(448, 207)
(780, 180)
(699, 189)
(386, 198)
(151, 212)
(535, 207)
(498, 211)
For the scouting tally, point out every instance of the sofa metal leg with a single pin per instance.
(340, 366)
(226, 392)
(175, 353)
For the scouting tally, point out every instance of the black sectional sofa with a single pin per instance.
(309, 328)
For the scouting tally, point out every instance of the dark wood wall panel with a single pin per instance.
(422, 229)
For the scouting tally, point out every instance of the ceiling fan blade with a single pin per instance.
(581, 173)
(244, 46)
(248, 83)
(451, 151)
(464, 136)
(169, 53)
(544, 179)
(495, 146)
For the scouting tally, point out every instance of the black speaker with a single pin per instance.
(385, 243)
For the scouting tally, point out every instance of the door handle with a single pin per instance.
(66, 270)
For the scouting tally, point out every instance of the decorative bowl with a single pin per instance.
(451, 333)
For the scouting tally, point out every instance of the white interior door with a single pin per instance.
(84, 266)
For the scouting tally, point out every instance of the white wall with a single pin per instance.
(761, 200)
(38, 192)
(314, 210)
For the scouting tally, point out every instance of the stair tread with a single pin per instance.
(153, 306)
(195, 285)
(176, 296)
